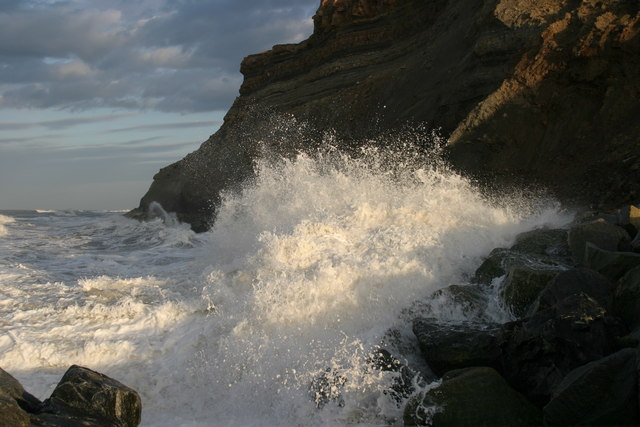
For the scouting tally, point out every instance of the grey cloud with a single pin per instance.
(174, 56)
(62, 123)
(175, 125)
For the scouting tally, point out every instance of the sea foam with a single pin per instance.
(306, 272)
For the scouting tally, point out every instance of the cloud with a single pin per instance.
(175, 125)
(173, 56)
(62, 123)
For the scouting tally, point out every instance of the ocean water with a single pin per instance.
(318, 262)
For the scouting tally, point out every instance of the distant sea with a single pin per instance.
(304, 274)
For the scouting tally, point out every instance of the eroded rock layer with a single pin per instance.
(537, 92)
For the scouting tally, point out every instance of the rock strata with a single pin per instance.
(534, 92)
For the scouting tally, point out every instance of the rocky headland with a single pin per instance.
(525, 92)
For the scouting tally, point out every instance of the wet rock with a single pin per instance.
(611, 264)
(467, 301)
(521, 287)
(10, 388)
(476, 396)
(327, 387)
(602, 392)
(600, 233)
(573, 282)
(402, 385)
(11, 414)
(86, 394)
(447, 346)
(501, 260)
(550, 242)
(629, 219)
(538, 351)
(83, 398)
(626, 300)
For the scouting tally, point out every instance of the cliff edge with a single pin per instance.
(544, 92)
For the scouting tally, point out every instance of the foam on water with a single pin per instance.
(4, 220)
(302, 277)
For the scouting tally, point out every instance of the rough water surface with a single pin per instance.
(303, 275)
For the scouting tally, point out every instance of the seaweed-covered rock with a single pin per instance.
(612, 264)
(626, 300)
(538, 351)
(600, 233)
(602, 392)
(476, 396)
(573, 282)
(447, 346)
(521, 287)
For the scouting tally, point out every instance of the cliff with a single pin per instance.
(544, 92)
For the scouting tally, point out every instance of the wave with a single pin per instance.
(306, 272)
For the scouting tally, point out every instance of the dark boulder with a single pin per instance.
(11, 388)
(600, 233)
(476, 396)
(626, 300)
(469, 301)
(11, 414)
(573, 282)
(538, 351)
(543, 241)
(447, 346)
(612, 264)
(602, 392)
(501, 260)
(521, 287)
(83, 394)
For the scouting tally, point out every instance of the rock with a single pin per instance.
(538, 351)
(86, 394)
(599, 233)
(573, 282)
(11, 414)
(628, 218)
(402, 386)
(626, 300)
(501, 260)
(476, 396)
(602, 392)
(508, 83)
(10, 388)
(82, 398)
(492, 267)
(521, 287)
(467, 301)
(327, 387)
(611, 264)
(550, 242)
(447, 346)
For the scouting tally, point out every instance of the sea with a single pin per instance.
(271, 317)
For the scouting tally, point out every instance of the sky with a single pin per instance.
(97, 95)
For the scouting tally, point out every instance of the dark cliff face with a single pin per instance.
(540, 91)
